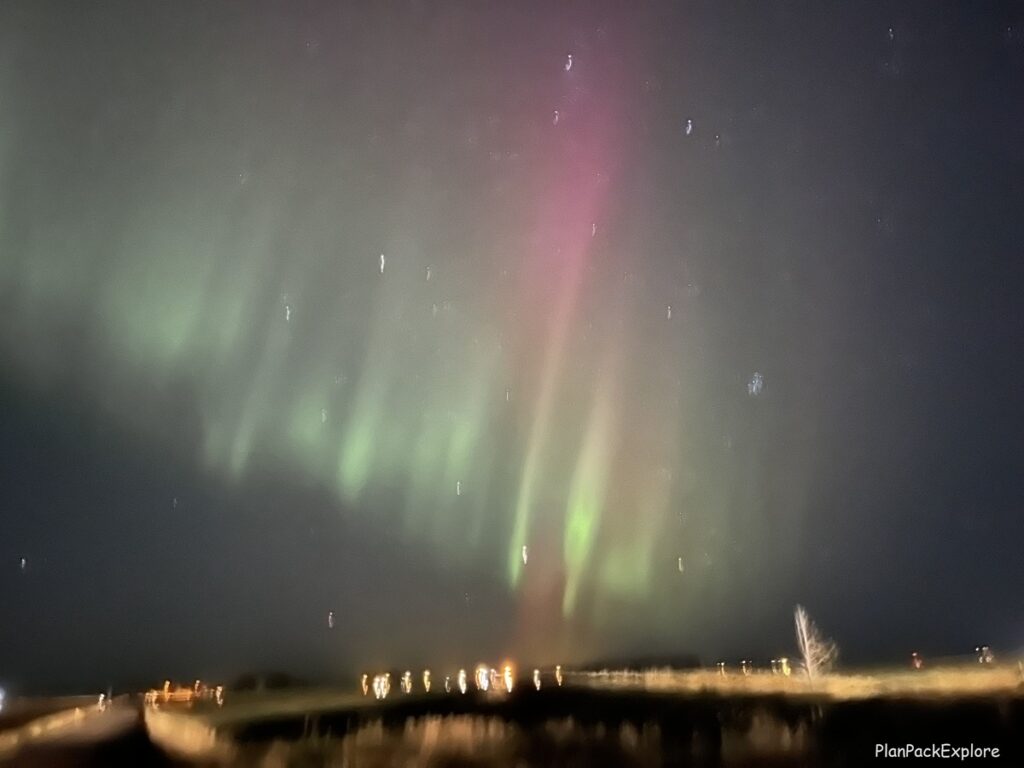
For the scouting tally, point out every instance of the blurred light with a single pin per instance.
(536, 679)
(365, 684)
(407, 682)
(218, 695)
(508, 678)
(426, 680)
(756, 384)
(381, 685)
(558, 674)
(483, 678)
(462, 681)
(447, 684)
(2, 695)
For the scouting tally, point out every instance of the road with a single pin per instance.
(83, 737)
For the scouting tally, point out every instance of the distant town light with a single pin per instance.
(483, 678)
(508, 678)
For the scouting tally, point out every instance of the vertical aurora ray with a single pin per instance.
(587, 496)
(575, 199)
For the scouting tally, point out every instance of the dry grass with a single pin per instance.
(940, 681)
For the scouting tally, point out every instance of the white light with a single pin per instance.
(756, 384)
(536, 679)
(483, 678)
(526, 554)
(568, 62)
(462, 681)
(382, 260)
(558, 674)
(426, 680)
(381, 685)
(507, 676)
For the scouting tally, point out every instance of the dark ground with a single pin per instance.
(585, 727)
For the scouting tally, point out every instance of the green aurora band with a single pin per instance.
(503, 371)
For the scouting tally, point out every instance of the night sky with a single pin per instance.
(551, 330)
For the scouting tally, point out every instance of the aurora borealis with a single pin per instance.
(647, 317)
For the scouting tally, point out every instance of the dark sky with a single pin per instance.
(550, 330)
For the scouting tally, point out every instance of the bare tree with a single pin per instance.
(817, 652)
